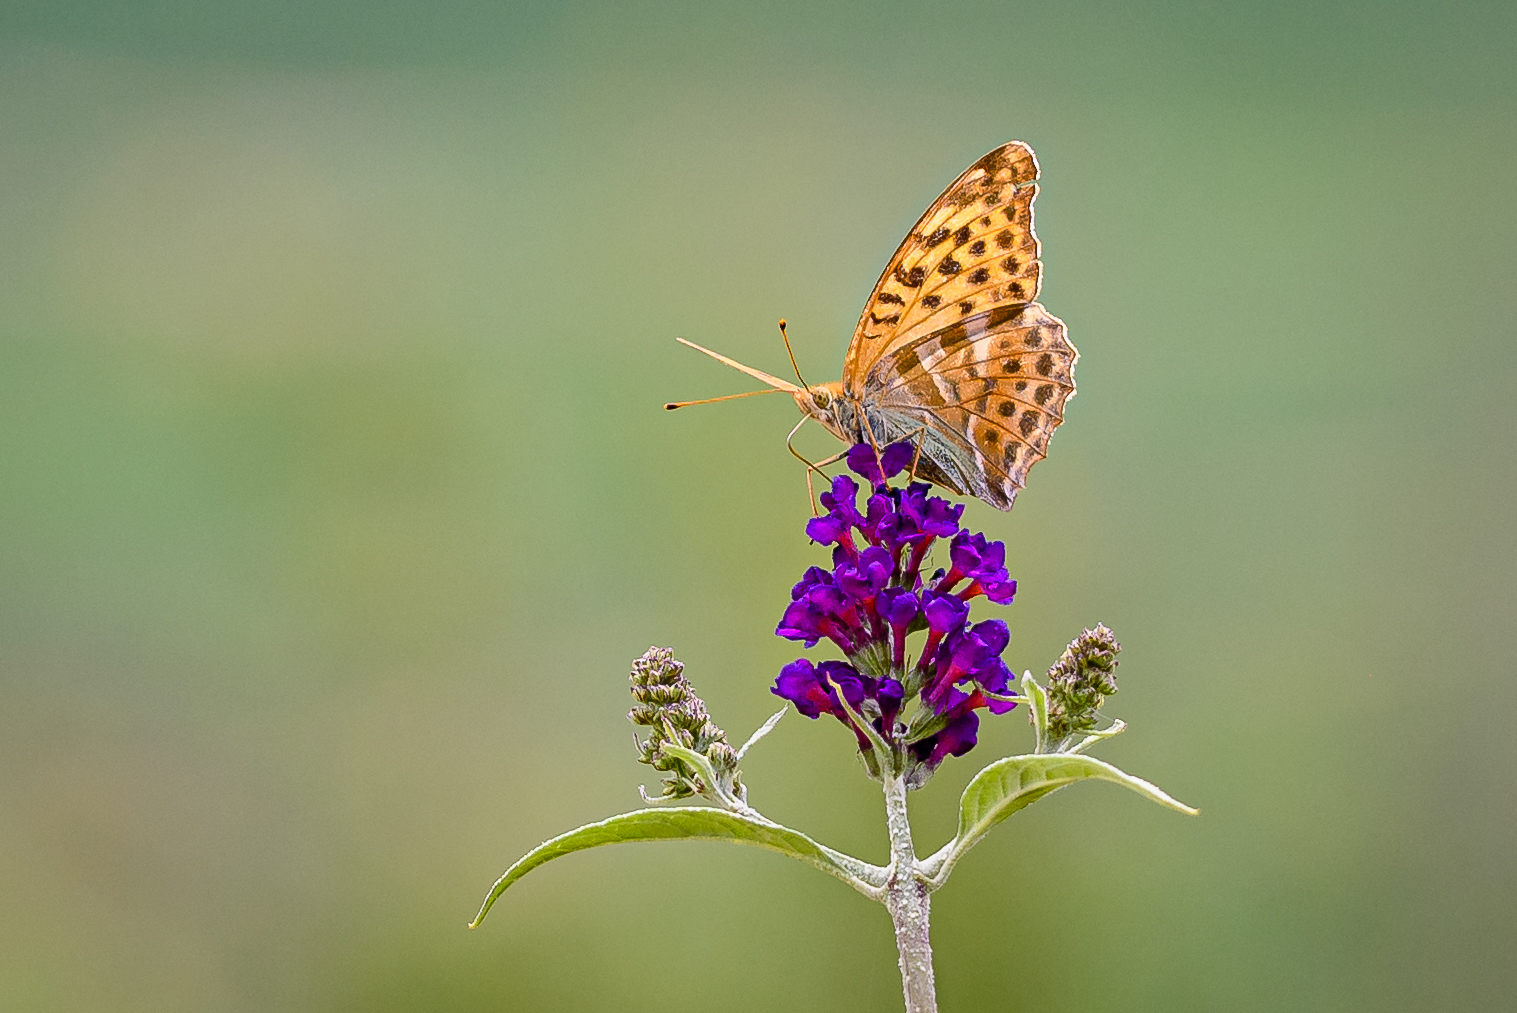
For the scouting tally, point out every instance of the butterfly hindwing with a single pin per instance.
(990, 389)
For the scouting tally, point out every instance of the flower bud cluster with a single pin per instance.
(669, 708)
(1080, 681)
(876, 594)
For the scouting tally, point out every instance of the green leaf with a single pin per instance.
(693, 824)
(1016, 783)
(713, 787)
(1118, 726)
(1037, 711)
(860, 721)
(697, 761)
(763, 729)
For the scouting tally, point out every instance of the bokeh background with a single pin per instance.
(335, 496)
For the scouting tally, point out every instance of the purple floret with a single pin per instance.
(880, 467)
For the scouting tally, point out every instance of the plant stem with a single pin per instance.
(906, 899)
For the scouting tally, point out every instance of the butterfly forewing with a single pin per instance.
(974, 249)
(951, 345)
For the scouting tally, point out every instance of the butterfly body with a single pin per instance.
(951, 352)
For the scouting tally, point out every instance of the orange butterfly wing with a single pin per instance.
(951, 338)
(991, 390)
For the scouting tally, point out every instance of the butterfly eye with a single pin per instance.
(821, 398)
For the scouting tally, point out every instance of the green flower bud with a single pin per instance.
(1079, 682)
(669, 708)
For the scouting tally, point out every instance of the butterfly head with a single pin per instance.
(827, 403)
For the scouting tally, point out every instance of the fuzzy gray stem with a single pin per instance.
(906, 899)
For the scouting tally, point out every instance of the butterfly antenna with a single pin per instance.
(757, 374)
(791, 352)
(670, 406)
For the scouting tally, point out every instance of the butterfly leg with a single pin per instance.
(817, 467)
(915, 438)
(815, 512)
(916, 457)
(879, 462)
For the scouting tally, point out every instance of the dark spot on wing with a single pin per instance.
(1021, 386)
(1016, 290)
(962, 236)
(877, 319)
(1011, 366)
(977, 247)
(950, 267)
(1011, 454)
(979, 277)
(985, 222)
(891, 297)
(1028, 422)
(1042, 394)
(936, 238)
(971, 372)
(990, 436)
(932, 302)
(912, 278)
(1033, 338)
(966, 307)
(1006, 409)
(1005, 238)
(1045, 365)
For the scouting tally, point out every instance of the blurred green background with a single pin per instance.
(335, 497)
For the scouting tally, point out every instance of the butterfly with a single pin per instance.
(952, 352)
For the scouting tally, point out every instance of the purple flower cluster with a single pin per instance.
(875, 596)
